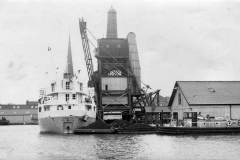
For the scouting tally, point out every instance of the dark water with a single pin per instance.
(25, 142)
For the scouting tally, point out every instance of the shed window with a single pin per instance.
(69, 107)
(106, 87)
(179, 98)
(39, 109)
(188, 115)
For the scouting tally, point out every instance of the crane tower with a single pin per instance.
(117, 80)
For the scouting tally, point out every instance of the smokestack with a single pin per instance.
(112, 23)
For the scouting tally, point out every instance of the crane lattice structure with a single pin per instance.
(86, 49)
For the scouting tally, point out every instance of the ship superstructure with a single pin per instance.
(66, 106)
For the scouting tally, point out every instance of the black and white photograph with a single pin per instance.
(119, 79)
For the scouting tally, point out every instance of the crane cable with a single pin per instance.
(91, 34)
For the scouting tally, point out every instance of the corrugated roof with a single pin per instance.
(209, 92)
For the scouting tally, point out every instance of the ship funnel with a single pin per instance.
(112, 23)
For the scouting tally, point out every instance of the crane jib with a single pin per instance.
(86, 48)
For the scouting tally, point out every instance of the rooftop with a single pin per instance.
(208, 92)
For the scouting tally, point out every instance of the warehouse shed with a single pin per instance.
(215, 99)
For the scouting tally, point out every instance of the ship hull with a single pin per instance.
(65, 124)
(197, 130)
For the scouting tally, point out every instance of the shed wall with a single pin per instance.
(235, 111)
(180, 108)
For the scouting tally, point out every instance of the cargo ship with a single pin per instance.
(66, 106)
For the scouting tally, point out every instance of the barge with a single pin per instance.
(197, 130)
(212, 126)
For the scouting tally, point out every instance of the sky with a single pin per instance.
(177, 40)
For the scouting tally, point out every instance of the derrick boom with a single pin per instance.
(86, 50)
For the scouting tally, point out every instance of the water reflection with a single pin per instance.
(25, 142)
(118, 146)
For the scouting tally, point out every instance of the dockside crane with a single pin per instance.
(92, 76)
(137, 98)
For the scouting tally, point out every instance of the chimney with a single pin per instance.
(112, 23)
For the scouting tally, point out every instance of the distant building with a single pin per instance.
(20, 113)
(214, 99)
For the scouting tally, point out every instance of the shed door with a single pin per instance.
(175, 115)
(194, 119)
